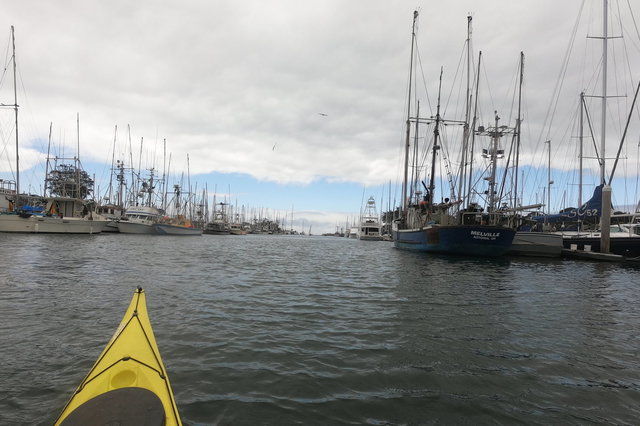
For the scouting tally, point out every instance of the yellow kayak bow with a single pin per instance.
(128, 384)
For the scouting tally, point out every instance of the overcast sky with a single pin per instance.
(285, 104)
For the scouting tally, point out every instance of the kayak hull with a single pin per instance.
(128, 380)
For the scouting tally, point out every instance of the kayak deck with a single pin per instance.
(128, 383)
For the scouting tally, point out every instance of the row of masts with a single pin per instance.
(465, 182)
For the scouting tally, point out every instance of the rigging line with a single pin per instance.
(624, 135)
(514, 94)
(619, 86)
(486, 80)
(424, 83)
(624, 43)
(560, 81)
(7, 61)
(446, 158)
(593, 138)
(455, 78)
(633, 19)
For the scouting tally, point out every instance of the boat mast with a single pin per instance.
(467, 113)
(436, 147)
(77, 159)
(415, 178)
(603, 130)
(518, 127)
(113, 159)
(189, 205)
(408, 125)
(46, 169)
(120, 179)
(582, 107)
(473, 134)
(605, 220)
(549, 182)
(15, 108)
(164, 172)
(494, 160)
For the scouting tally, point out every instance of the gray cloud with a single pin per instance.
(226, 81)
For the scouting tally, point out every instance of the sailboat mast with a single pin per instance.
(189, 206)
(113, 159)
(134, 184)
(436, 147)
(46, 170)
(467, 113)
(413, 188)
(605, 219)
(603, 130)
(548, 183)
(77, 159)
(164, 172)
(494, 160)
(15, 108)
(582, 106)
(408, 125)
(473, 134)
(518, 127)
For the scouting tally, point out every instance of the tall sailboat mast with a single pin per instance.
(15, 108)
(436, 147)
(605, 220)
(518, 132)
(467, 114)
(603, 134)
(581, 154)
(408, 136)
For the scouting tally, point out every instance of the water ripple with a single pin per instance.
(294, 330)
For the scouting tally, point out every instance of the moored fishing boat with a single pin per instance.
(178, 225)
(219, 225)
(65, 211)
(369, 229)
(112, 214)
(237, 229)
(37, 224)
(128, 384)
(139, 220)
(217, 228)
(427, 226)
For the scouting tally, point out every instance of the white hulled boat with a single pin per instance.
(34, 214)
(178, 225)
(139, 220)
(369, 229)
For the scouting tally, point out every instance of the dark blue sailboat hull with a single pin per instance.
(470, 240)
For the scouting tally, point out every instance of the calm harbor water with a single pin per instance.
(278, 330)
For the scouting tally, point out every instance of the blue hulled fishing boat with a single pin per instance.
(445, 227)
